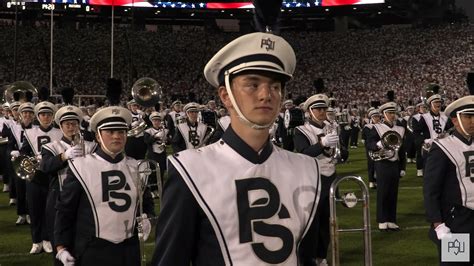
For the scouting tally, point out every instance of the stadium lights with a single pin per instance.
(327, 10)
(231, 15)
(389, 6)
(355, 8)
(192, 14)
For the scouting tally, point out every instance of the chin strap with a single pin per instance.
(458, 116)
(240, 115)
(102, 145)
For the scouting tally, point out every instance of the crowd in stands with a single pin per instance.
(358, 66)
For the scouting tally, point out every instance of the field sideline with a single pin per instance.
(410, 246)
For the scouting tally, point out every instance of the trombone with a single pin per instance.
(350, 200)
(145, 170)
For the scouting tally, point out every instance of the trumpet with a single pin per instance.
(391, 142)
(137, 130)
(206, 138)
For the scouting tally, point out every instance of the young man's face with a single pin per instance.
(467, 121)
(156, 123)
(177, 107)
(376, 119)
(45, 119)
(258, 97)
(192, 116)
(318, 114)
(134, 108)
(422, 109)
(113, 139)
(390, 116)
(27, 118)
(70, 128)
(436, 106)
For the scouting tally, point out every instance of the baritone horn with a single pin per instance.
(146, 92)
(24, 89)
(391, 142)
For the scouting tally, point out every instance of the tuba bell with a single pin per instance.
(25, 166)
(391, 142)
(25, 89)
(146, 92)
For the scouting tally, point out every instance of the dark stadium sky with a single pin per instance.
(468, 6)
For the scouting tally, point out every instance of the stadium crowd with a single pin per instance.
(400, 58)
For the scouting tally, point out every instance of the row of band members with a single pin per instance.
(95, 221)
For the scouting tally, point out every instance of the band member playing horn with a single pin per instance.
(175, 117)
(374, 118)
(317, 138)
(386, 139)
(156, 138)
(54, 157)
(37, 189)
(190, 135)
(136, 147)
(4, 117)
(234, 202)
(418, 138)
(447, 185)
(7, 134)
(17, 135)
(97, 207)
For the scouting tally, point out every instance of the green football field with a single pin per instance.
(410, 246)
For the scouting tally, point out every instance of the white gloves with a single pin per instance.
(330, 140)
(39, 157)
(135, 124)
(159, 135)
(65, 257)
(427, 141)
(73, 152)
(347, 127)
(402, 173)
(379, 144)
(15, 154)
(146, 227)
(442, 231)
(363, 141)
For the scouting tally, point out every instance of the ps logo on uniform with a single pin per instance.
(115, 111)
(112, 181)
(252, 216)
(268, 43)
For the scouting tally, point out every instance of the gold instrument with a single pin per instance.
(25, 166)
(144, 169)
(24, 88)
(349, 200)
(147, 91)
(391, 142)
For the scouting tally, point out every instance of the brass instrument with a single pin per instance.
(137, 130)
(24, 88)
(3, 140)
(335, 152)
(425, 147)
(161, 141)
(78, 139)
(144, 169)
(410, 123)
(206, 138)
(147, 91)
(25, 166)
(349, 200)
(391, 142)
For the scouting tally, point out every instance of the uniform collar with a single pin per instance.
(462, 138)
(433, 114)
(66, 140)
(388, 125)
(311, 122)
(108, 158)
(242, 148)
(46, 129)
(27, 127)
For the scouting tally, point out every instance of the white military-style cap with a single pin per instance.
(175, 103)
(373, 112)
(26, 107)
(288, 102)
(112, 117)
(68, 112)
(388, 107)
(192, 106)
(255, 51)
(316, 101)
(461, 105)
(45, 107)
(14, 105)
(434, 98)
(156, 115)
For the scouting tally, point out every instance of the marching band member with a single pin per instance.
(156, 138)
(231, 202)
(388, 170)
(17, 135)
(222, 124)
(431, 124)
(374, 118)
(4, 117)
(418, 139)
(175, 117)
(135, 146)
(37, 189)
(409, 137)
(317, 138)
(189, 135)
(54, 157)
(10, 126)
(208, 114)
(447, 185)
(355, 127)
(97, 207)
